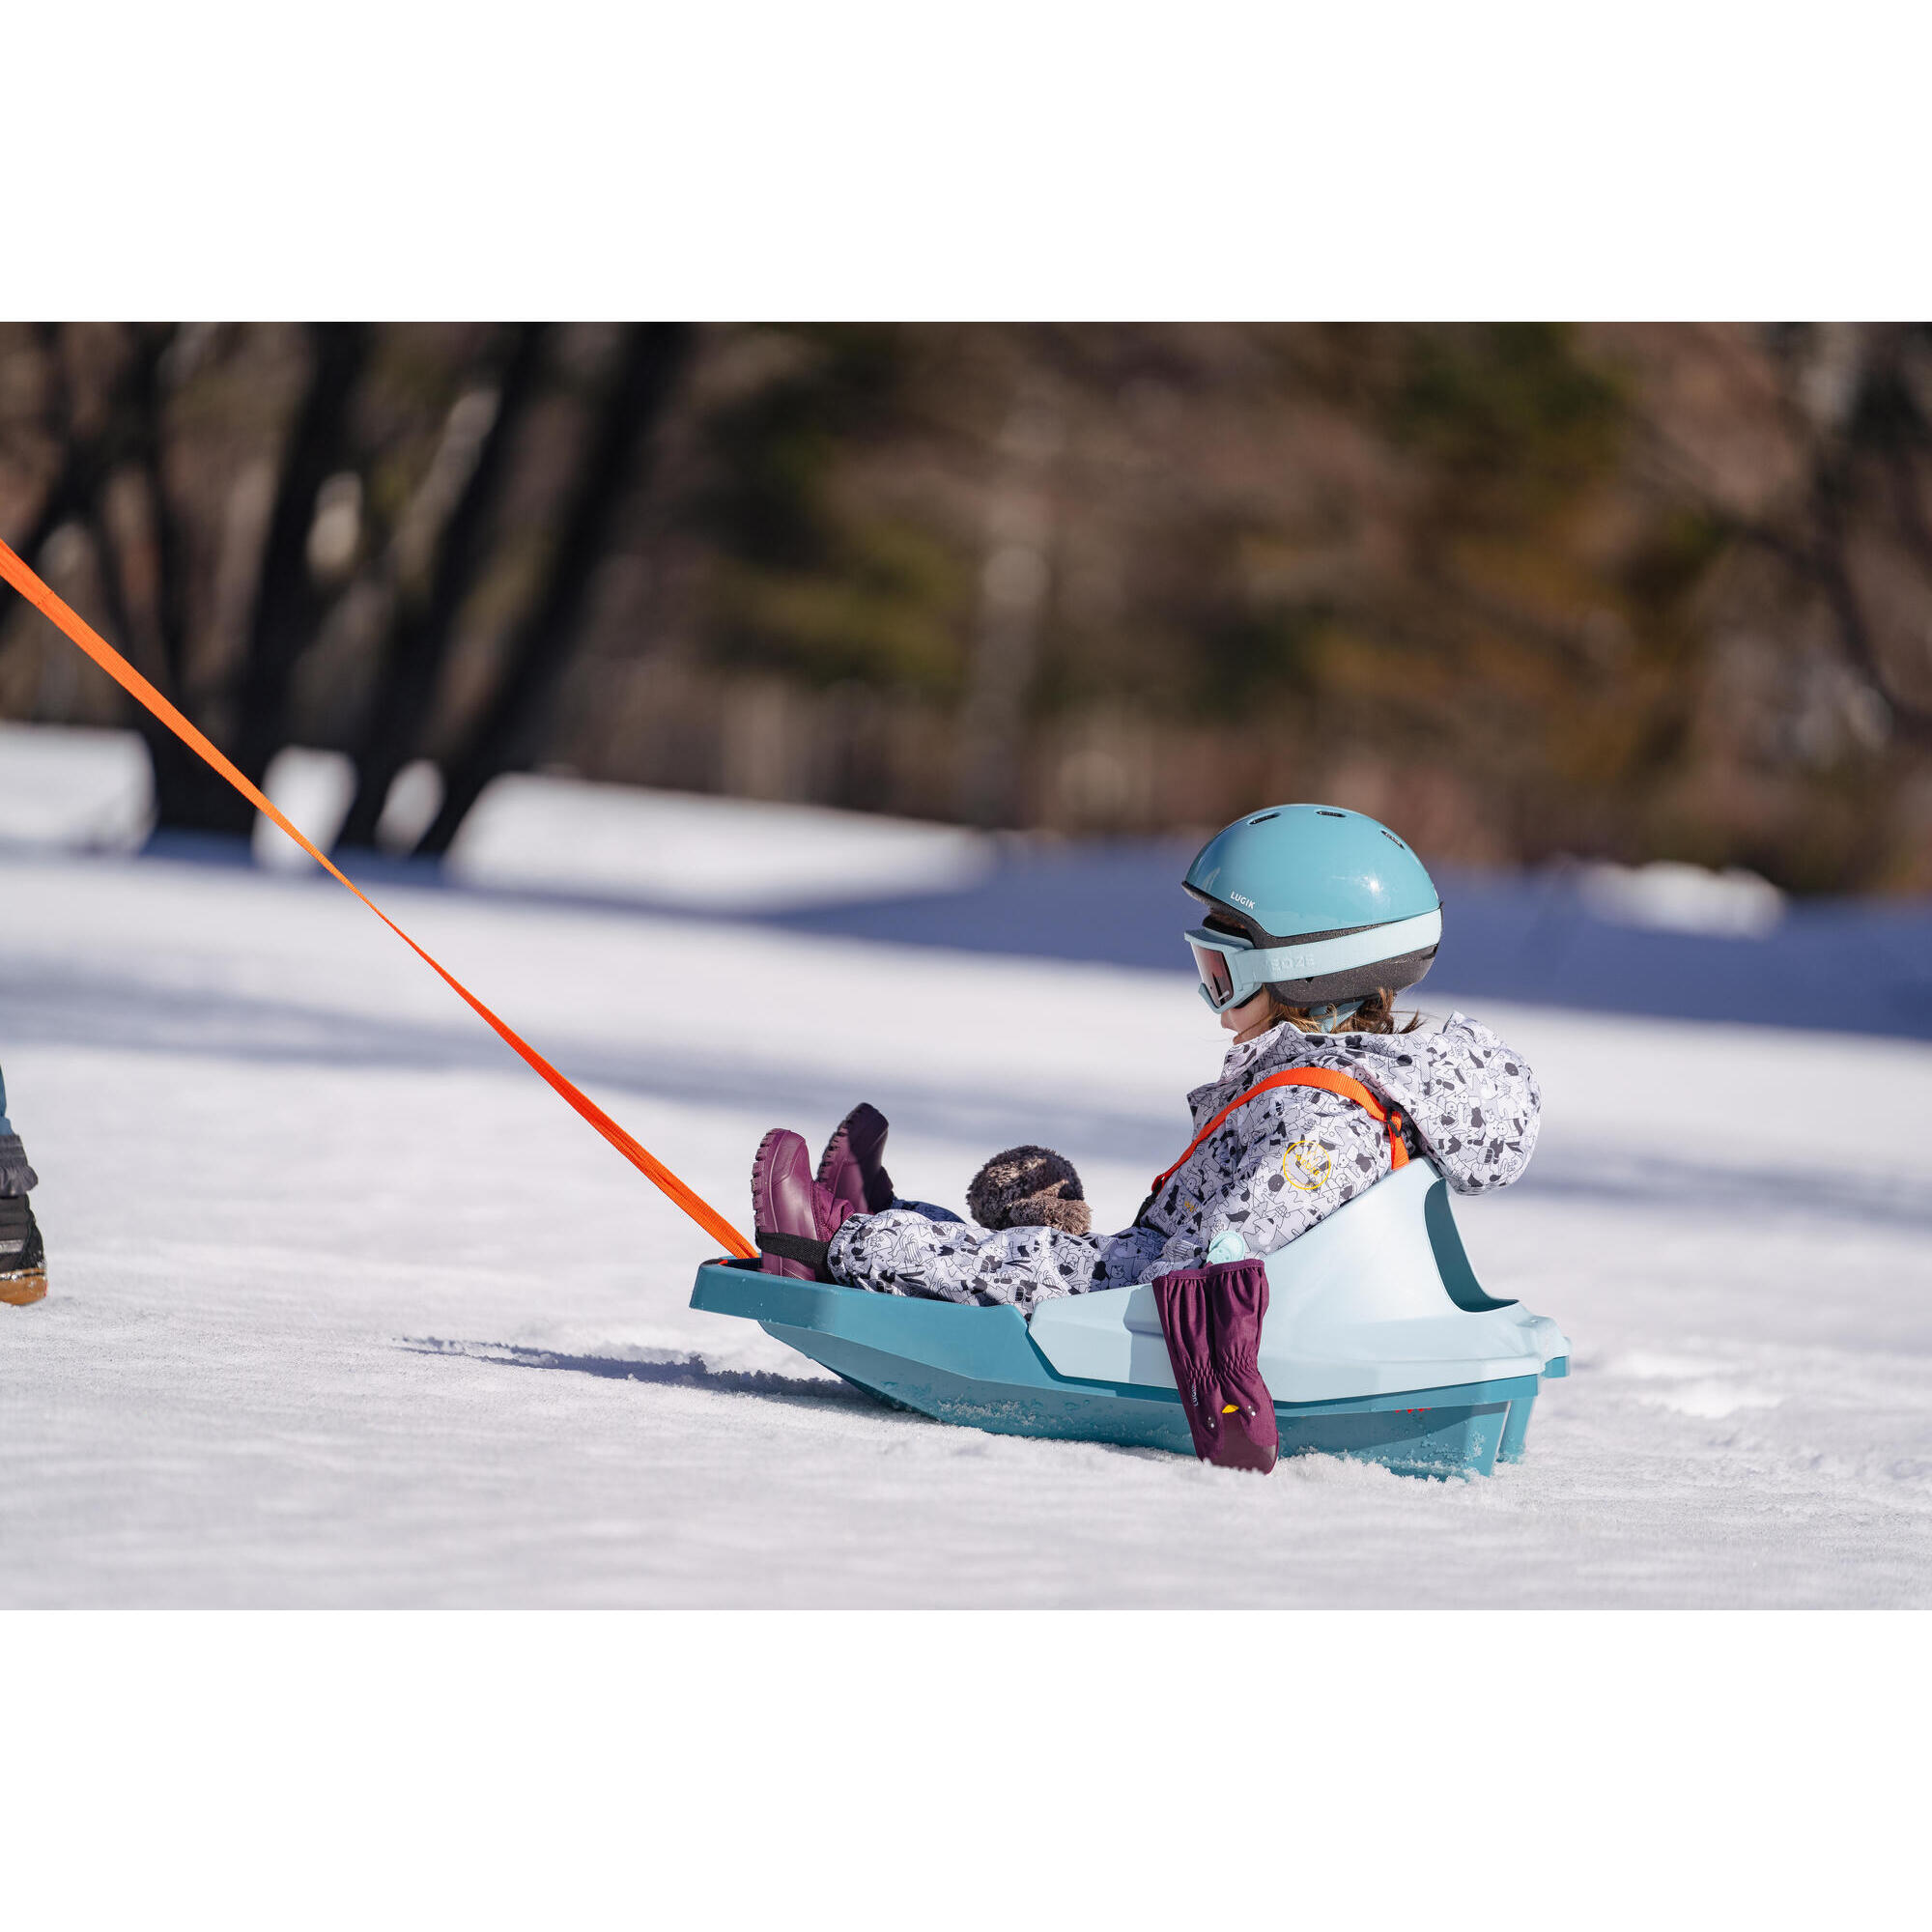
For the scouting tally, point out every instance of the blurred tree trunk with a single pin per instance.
(1867, 416)
(128, 442)
(400, 709)
(169, 612)
(73, 483)
(1014, 580)
(653, 357)
(286, 605)
(187, 793)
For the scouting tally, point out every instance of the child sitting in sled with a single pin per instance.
(1316, 918)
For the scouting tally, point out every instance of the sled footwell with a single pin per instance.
(978, 1367)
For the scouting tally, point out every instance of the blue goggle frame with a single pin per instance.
(1231, 968)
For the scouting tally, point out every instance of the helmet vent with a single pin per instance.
(1264, 818)
(1323, 811)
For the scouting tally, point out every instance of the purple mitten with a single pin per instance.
(1183, 1300)
(1236, 1295)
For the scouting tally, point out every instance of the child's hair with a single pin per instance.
(1375, 1014)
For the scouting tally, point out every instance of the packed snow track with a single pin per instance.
(347, 1309)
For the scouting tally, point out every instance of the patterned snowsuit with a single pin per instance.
(1270, 1171)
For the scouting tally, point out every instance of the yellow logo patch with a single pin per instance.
(1306, 1164)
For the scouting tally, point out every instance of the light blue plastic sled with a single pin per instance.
(1378, 1344)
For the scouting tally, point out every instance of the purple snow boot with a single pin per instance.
(849, 1168)
(1211, 1321)
(794, 1216)
(1237, 1298)
(1181, 1298)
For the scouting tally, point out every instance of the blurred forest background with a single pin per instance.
(1626, 592)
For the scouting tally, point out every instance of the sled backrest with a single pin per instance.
(1391, 1253)
(1379, 1293)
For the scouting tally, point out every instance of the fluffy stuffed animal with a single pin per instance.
(1029, 1187)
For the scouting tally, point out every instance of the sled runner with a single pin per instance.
(1378, 1344)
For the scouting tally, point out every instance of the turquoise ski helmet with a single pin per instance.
(1321, 904)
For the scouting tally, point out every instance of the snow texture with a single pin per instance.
(532, 831)
(347, 1309)
(75, 788)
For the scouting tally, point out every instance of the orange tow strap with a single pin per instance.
(132, 682)
(1330, 1082)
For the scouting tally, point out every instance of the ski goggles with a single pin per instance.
(1233, 970)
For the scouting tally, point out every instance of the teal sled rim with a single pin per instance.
(979, 1368)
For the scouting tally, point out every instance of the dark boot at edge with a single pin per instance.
(23, 1255)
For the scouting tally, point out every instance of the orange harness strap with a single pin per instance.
(1330, 1082)
(132, 682)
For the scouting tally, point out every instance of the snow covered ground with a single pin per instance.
(347, 1309)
